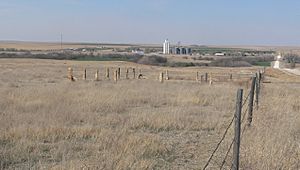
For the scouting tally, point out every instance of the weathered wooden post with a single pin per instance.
(201, 78)
(133, 70)
(107, 73)
(259, 77)
(119, 73)
(167, 75)
(237, 130)
(257, 91)
(197, 76)
(97, 75)
(70, 74)
(210, 79)
(230, 77)
(206, 77)
(250, 104)
(116, 75)
(263, 74)
(127, 72)
(140, 75)
(161, 77)
(84, 74)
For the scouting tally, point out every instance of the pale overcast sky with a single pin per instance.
(217, 22)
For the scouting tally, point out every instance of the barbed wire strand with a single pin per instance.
(219, 143)
(245, 101)
(224, 161)
(224, 135)
(244, 128)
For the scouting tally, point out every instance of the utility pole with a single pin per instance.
(61, 42)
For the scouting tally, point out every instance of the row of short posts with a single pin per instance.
(116, 74)
(163, 76)
(207, 78)
(204, 78)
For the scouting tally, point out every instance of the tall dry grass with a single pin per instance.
(132, 124)
(48, 122)
(273, 140)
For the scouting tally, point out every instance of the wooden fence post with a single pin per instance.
(116, 75)
(258, 78)
(237, 130)
(107, 73)
(161, 77)
(206, 77)
(140, 75)
(126, 75)
(70, 74)
(97, 75)
(210, 79)
(167, 75)
(133, 70)
(262, 75)
(230, 77)
(250, 104)
(119, 73)
(197, 76)
(201, 78)
(84, 74)
(257, 91)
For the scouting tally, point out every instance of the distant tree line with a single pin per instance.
(292, 58)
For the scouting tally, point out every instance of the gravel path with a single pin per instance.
(293, 71)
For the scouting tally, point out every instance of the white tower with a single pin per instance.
(166, 47)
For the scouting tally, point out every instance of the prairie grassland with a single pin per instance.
(52, 45)
(48, 122)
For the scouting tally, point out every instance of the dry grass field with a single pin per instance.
(48, 122)
(52, 45)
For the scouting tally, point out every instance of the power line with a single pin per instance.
(61, 41)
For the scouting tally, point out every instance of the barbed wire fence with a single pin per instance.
(241, 105)
(239, 117)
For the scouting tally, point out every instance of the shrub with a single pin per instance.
(292, 58)
(152, 60)
(229, 62)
